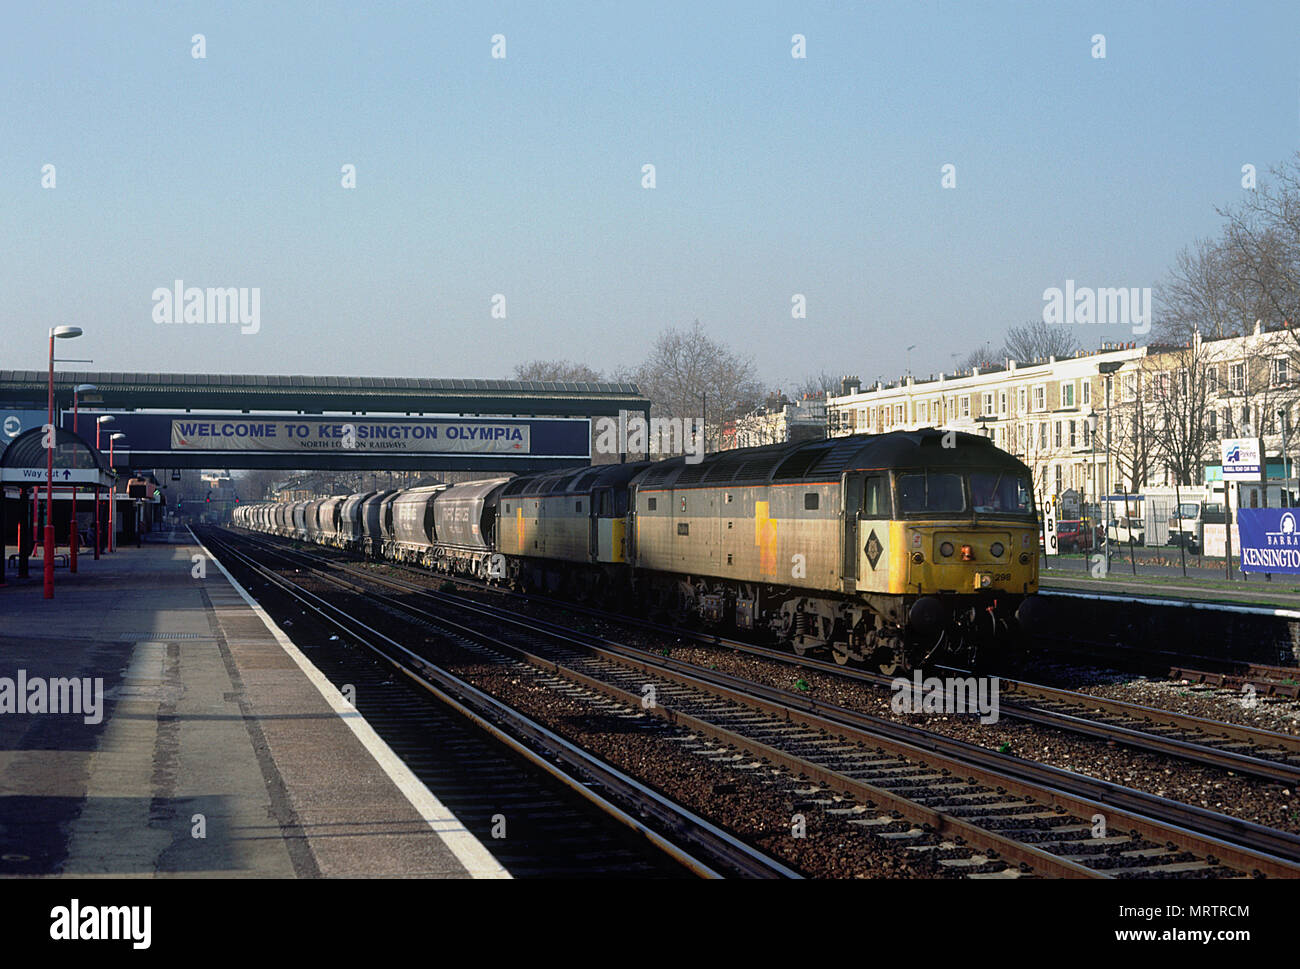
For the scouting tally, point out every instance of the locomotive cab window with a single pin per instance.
(924, 492)
(811, 500)
(875, 497)
(1001, 493)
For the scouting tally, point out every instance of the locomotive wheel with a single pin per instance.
(889, 660)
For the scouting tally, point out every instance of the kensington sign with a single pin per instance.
(1270, 539)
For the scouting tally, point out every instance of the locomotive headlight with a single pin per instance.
(1024, 558)
(918, 558)
(997, 548)
(946, 549)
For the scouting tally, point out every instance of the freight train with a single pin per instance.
(890, 550)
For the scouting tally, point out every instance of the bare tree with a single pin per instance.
(1038, 340)
(819, 383)
(685, 367)
(564, 371)
(981, 356)
(1181, 394)
(1263, 234)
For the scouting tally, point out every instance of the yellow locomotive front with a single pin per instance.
(963, 544)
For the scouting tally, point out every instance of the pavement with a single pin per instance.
(216, 748)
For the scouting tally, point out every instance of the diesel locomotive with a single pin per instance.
(889, 550)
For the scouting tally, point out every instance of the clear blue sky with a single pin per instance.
(477, 176)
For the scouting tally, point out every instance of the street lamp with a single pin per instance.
(1286, 459)
(99, 423)
(1092, 440)
(56, 333)
(73, 539)
(112, 491)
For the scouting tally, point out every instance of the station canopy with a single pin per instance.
(75, 461)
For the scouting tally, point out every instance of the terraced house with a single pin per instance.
(1157, 412)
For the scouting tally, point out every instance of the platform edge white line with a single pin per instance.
(462, 843)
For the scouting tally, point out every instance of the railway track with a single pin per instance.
(481, 734)
(1039, 817)
(1246, 750)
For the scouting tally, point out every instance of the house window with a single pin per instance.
(1040, 397)
(1087, 392)
(1058, 433)
(988, 404)
(1067, 394)
(899, 417)
(1087, 435)
(1129, 386)
(1212, 380)
(1278, 375)
(925, 411)
(1214, 423)
(1060, 485)
(1042, 436)
(1072, 438)
(965, 406)
(1236, 378)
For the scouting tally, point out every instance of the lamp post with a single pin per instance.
(56, 333)
(1092, 440)
(112, 492)
(1107, 369)
(99, 423)
(74, 538)
(1286, 459)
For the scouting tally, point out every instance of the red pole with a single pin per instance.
(98, 500)
(49, 484)
(112, 499)
(72, 539)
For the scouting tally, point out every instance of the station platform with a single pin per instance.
(1281, 594)
(217, 750)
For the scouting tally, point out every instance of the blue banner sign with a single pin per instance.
(1270, 540)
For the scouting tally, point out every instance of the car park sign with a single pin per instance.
(1241, 459)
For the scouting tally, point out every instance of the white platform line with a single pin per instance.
(469, 851)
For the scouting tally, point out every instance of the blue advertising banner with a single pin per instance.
(1270, 541)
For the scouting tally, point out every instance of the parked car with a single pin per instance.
(1073, 535)
(1122, 529)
